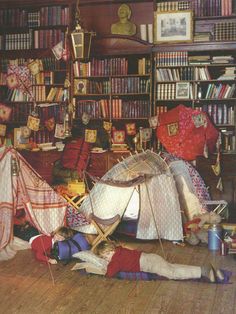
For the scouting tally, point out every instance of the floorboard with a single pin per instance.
(26, 286)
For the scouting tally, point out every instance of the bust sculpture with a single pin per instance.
(124, 26)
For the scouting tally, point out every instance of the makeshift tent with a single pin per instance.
(193, 193)
(22, 187)
(140, 187)
(184, 132)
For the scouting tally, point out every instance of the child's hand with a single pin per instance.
(52, 261)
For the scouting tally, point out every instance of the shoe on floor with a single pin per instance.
(208, 272)
(218, 273)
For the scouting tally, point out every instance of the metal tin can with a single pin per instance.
(214, 237)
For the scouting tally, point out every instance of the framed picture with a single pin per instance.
(173, 27)
(182, 90)
(80, 86)
(19, 140)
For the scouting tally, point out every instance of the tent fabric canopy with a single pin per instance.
(157, 201)
(44, 208)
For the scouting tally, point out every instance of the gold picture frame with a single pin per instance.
(80, 87)
(173, 27)
(19, 141)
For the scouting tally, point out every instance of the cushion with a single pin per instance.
(90, 257)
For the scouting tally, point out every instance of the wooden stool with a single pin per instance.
(104, 227)
(75, 200)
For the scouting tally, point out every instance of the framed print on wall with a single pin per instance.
(173, 27)
(182, 90)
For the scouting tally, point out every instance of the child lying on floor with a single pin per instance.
(123, 259)
(43, 244)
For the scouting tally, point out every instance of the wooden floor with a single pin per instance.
(26, 286)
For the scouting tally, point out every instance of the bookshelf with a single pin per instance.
(28, 32)
(201, 74)
(114, 87)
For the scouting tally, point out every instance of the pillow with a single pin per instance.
(90, 257)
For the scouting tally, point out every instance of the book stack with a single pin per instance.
(229, 74)
(199, 60)
(204, 36)
(33, 19)
(227, 140)
(172, 58)
(224, 31)
(223, 59)
(173, 6)
(213, 7)
(117, 148)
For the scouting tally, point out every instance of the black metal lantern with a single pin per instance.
(81, 39)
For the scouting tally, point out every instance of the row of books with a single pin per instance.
(173, 6)
(101, 67)
(202, 36)
(117, 108)
(47, 38)
(38, 93)
(18, 41)
(200, 7)
(125, 85)
(212, 7)
(228, 141)
(224, 31)
(47, 111)
(220, 91)
(43, 136)
(84, 86)
(229, 74)
(18, 95)
(56, 94)
(220, 113)
(31, 40)
(54, 15)
(161, 109)
(130, 109)
(47, 64)
(46, 16)
(172, 58)
(41, 78)
(181, 58)
(20, 112)
(130, 85)
(186, 73)
(166, 91)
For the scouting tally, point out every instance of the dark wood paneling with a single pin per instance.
(42, 162)
(99, 17)
(117, 45)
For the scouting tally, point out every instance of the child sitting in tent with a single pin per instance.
(43, 244)
(123, 259)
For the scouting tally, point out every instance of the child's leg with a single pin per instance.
(154, 263)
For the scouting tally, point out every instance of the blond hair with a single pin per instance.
(64, 232)
(104, 247)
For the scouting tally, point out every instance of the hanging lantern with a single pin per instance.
(81, 39)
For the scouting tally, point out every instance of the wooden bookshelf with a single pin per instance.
(28, 32)
(118, 83)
